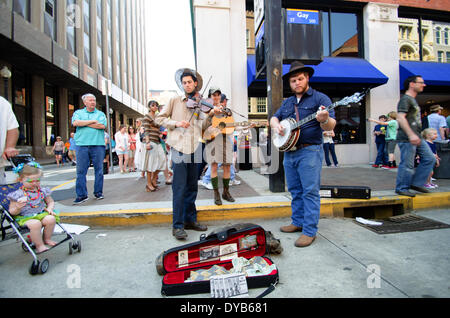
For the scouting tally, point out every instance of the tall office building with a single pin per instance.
(58, 50)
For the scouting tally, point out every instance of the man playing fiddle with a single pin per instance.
(185, 125)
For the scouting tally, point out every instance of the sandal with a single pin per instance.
(148, 189)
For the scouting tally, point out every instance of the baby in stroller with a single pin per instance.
(32, 206)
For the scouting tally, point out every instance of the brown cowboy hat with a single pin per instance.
(182, 71)
(297, 67)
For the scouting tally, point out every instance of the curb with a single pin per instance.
(329, 208)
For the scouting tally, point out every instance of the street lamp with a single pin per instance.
(6, 74)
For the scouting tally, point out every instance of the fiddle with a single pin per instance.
(205, 105)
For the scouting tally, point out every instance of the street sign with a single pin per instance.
(258, 9)
(297, 16)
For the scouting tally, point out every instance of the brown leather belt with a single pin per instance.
(301, 146)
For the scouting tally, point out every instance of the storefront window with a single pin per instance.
(340, 34)
(350, 127)
(50, 115)
(22, 108)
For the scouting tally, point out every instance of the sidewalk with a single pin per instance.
(127, 204)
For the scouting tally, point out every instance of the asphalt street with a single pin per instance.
(346, 260)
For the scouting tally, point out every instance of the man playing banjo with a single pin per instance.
(303, 163)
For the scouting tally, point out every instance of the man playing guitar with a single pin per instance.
(303, 165)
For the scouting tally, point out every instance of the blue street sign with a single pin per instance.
(302, 16)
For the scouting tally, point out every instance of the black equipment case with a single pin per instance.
(175, 274)
(345, 192)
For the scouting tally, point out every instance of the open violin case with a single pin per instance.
(218, 248)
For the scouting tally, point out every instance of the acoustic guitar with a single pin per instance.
(226, 125)
(291, 127)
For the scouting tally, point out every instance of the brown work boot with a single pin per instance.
(217, 199)
(290, 229)
(227, 196)
(304, 241)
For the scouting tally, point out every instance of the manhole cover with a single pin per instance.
(405, 223)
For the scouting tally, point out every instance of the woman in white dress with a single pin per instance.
(140, 147)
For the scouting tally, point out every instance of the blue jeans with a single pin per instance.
(184, 189)
(407, 175)
(303, 171)
(207, 176)
(329, 148)
(382, 157)
(86, 154)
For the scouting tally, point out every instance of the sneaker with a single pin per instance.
(234, 182)
(80, 200)
(428, 186)
(375, 166)
(207, 185)
(434, 185)
(99, 196)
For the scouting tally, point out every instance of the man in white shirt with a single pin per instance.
(9, 134)
(437, 121)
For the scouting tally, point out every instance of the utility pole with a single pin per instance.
(274, 73)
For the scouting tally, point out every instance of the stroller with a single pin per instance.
(18, 232)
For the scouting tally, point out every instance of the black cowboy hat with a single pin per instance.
(297, 67)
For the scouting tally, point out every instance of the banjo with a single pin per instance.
(292, 127)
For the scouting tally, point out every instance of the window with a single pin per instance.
(118, 52)
(50, 115)
(87, 32)
(99, 38)
(22, 7)
(447, 55)
(70, 29)
(50, 19)
(340, 34)
(21, 107)
(446, 36)
(440, 56)
(350, 128)
(438, 35)
(261, 105)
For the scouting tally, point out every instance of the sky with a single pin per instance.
(169, 41)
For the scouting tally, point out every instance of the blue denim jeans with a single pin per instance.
(303, 171)
(86, 154)
(407, 175)
(382, 156)
(184, 188)
(330, 148)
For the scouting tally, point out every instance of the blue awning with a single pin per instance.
(433, 73)
(333, 70)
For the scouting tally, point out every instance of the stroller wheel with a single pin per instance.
(43, 267)
(74, 246)
(78, 247)
(34, 269)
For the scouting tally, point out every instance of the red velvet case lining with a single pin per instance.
(176, 275)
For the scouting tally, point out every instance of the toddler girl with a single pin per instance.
(430, 135)
(32, 206)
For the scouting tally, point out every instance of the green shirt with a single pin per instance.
(391, 131)
(87, 136)
(409, 106)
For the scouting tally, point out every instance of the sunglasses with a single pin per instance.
(33, 180)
